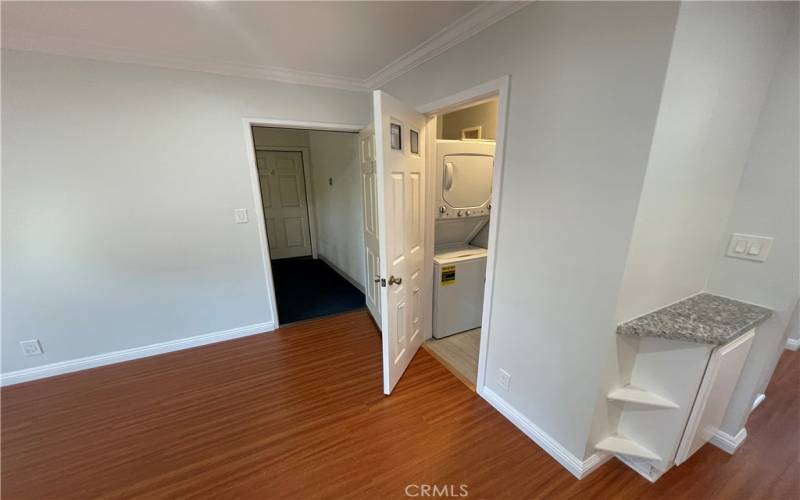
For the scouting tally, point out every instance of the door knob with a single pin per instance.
(395, 281)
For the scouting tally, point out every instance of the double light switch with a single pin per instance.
(749, 247)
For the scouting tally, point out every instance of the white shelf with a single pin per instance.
(625, 446)
(631, 394)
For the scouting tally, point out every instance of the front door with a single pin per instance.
(283, 195)
(400, 176)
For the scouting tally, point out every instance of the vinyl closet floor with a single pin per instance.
(459, 354)
(299, 414)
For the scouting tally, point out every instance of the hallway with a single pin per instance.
(308, 288)
(299, 413)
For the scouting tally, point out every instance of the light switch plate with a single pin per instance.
(749, 247)
(240, 215)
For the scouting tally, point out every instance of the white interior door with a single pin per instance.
(283, 195)
(400, 175)
(369, 197)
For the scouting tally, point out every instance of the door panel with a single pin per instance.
(400, 176)
(369, 197)
(283, 198)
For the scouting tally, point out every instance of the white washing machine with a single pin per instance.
(459, 275)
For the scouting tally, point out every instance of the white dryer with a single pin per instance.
(464, 183)
(463, 190)
(459, 276)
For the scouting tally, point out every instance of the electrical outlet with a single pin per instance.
(31, 347)
(240, 215)
(504, 379)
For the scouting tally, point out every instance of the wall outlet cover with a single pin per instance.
(504, 379)
(240, 215)
(31, 347)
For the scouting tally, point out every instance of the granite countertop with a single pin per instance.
(704, 318)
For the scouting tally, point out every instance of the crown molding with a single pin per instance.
(469, 25)
(76, 48)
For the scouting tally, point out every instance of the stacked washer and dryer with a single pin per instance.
(463, 192)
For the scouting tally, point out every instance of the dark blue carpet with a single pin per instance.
(308, 288)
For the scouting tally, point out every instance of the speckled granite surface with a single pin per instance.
(702, 318)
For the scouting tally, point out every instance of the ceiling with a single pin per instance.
(354, 45)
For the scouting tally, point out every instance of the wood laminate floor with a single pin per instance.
(299, 414)
(459, 354)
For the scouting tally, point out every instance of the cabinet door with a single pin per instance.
(715, 392)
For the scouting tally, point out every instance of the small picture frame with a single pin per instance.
(396, 136)
(413, 142)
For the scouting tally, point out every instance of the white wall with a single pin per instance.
(719, 70)
(767, 203)
(793, 329)
(340, 233)
(586, 82)
(721, 65)
(119, 185)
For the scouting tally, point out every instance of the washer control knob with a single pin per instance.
(459, 213)
(468, 213)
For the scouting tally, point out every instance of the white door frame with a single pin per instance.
(466, 98)
(305, 153)
(250, 149)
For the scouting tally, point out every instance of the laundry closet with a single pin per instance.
(464, 160)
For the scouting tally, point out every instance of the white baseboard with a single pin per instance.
(341, 273)
(109, 358)
(579, 468)
(643, 468)
(792, 344)
(759, 399)
(728, 443)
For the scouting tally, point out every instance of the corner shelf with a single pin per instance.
(625, 446)
(631, 394)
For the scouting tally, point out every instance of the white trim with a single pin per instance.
(109, 358)
(759, 399)
(467, 26)
(343, 274)
(577, 467)
(728, 443)
(88, 50)
(470, 24)
(643, 468)
(308, 169)
(304, 124)
(500, 88)
(250, 151)
(793, 344)
(594, 461)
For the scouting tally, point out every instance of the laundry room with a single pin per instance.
(464, 167)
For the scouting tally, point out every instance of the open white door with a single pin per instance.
(369, 201)
(400, 169)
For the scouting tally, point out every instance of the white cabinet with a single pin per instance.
(673, 398)
(715, 393)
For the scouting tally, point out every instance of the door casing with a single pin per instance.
(257, 212)
(498, 88)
